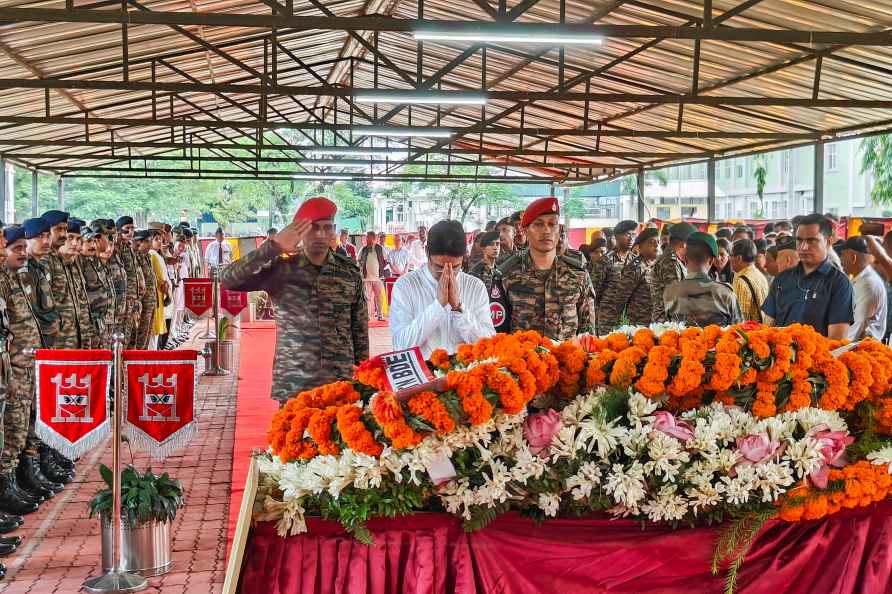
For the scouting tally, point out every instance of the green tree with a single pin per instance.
(876, 159)
(354, 201)
(760, 174)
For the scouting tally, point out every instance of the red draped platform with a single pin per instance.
(850, 552)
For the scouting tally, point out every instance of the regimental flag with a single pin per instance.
(159, 400)
(233, 301)
(199, 294)
(405, 369)
(72, 388)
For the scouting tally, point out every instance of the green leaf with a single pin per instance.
(106, 474)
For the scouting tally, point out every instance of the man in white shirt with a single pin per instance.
(218, 252)
(869, 291)
(438, 305)
(372, 264)
(398, 258)
(418, 250)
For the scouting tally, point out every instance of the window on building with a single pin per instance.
(738, 170)
(388, 215)
(663, 212)
(832, 157)
(727, 168)
(785, 164)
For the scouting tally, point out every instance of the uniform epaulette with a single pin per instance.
(510, 264)
(574, 262)
(344, 260)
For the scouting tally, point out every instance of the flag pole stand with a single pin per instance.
(216, 368)
(116, 579)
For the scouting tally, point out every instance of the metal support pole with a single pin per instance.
(116, 579)
(216, 363)
(710, 190)
(34, 205)
(3, 197)
(61, 193)
(640, 179)
(818, 202)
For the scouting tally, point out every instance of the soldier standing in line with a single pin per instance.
(546, 292)
(669, 267)
(699, 300)
(520, 237)
(507, 233)
(632, 294)
(321, 314)
(63, 293)
(107, 251)
(607, 271)
(69, 255)
(135, 285)
(35, 279)
(99, 287)
(142, 242)
(485, 269)
(22, 484)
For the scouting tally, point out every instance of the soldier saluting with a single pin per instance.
(321, 314)
(546, 292)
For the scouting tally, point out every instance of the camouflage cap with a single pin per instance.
(681, 231)
(706, 239)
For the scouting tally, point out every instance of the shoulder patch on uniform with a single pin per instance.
(343, 260)
(573, 262)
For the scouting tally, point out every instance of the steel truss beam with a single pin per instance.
(276, 174)
(384, 23)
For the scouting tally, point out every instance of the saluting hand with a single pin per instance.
(290, 237)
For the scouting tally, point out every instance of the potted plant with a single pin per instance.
(149, 503)
(224, 331)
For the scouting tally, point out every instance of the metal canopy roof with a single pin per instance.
(156, 88)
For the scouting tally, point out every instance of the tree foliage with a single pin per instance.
(876, 159)
(760, 175)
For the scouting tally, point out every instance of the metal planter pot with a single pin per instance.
(145, 549)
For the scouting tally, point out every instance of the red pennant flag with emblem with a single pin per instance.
(233, 301)
(72, 388)
(199, 295)
(159, 400)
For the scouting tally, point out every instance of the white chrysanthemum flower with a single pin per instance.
(595, 434)
(634, 441)
(772, 479)
(724, 460)
(809, 418)
(369, 472)
(704, 495)
(737, 490)
(641, 407)
(527, 465)
(881, 456)
(563, 445)
(626, 485)
(581, 484)
(804, 455)
(549, 503)
(667, 506)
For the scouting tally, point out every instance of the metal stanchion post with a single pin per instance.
(116, 580)
(216, 362)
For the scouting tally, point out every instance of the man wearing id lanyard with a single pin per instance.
(814, 292)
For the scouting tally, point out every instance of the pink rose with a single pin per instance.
(833, 450)
(758, 448)
(665, 422)
(539, 429)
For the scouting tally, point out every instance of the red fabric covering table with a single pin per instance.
(429, 553)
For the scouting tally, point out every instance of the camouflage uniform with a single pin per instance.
(556, 303)
(35, 280)
(486, 273)
(668, 269)
(631, 294)
(505, 255)
(23, 325)
(321, 315)
(606, 274)
(70, 297)
(134, 289)
(100, 290)
(700, 301)
(119, 281)
(149, 302)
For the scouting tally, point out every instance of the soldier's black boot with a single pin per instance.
(6, 549)
(11, 500)
(61, 461)
(40, 477)
(8, 524)
(51, 470)
(27, 479)
(2, 571)
(13, 540)
(22, 493)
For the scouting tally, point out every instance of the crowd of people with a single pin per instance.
(67, 284)
(520, 273)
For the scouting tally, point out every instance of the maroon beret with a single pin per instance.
(537, 208)
(316, 208)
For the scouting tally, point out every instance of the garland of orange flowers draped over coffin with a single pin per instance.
(664, 424)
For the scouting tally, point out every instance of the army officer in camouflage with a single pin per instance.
(630, 296)
(546, 292)
(321, 314)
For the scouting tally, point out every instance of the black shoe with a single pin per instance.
(61, 461)
(9, 524)
(54, 486)
(51, 470)
(11, 500)
(11, 518)
(7, 550)
(2, 571)
(11, 540)
(27, 479)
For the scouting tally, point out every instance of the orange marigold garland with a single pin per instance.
(625, 368)
(320, 430)
(440, 360)
(427, 406)
(371, 373)
(571, 363)
(653, 378)
(856, 485)
(469, 387)
(354, 433)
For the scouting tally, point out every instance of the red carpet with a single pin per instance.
(254, 407)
